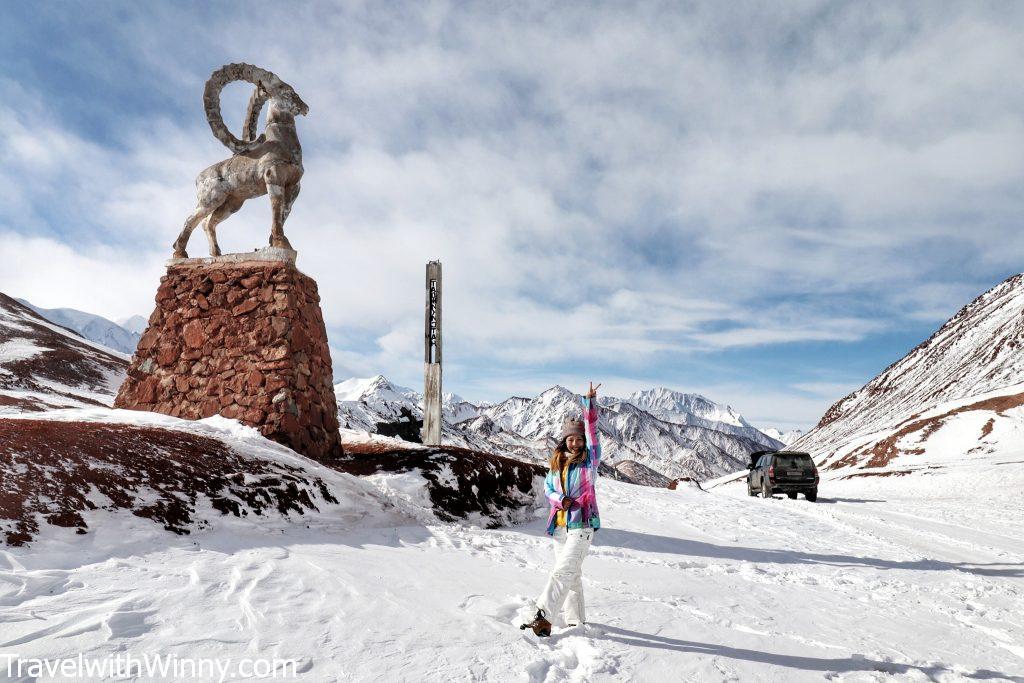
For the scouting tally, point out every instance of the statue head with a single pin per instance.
(288, 101)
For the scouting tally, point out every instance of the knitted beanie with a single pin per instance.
(572, 427)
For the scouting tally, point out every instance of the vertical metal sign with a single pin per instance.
(432, 358)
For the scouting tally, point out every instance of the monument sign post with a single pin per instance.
(432, 357)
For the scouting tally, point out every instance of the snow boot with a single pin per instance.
(541, 626)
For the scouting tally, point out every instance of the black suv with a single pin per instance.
(789, 472)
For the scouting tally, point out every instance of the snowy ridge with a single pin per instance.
(782, 437)
(661, 400)
(674, 449)
(375, 399)
(949, 431)
(976, 352)
(674, 434)
(44, 365)
(136, 324)
(365, 404)
(696, 410)
(94, 327)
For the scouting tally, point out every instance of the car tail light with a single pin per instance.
(771, 471)
(815, 475)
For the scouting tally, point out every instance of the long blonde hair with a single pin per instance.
(560, 457)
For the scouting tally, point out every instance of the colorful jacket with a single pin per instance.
(580, 479)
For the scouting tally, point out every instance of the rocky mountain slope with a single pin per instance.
(84, 468)
(94, 327)
(971, 366)
(44, 365)
(61, 472)
(674, 434)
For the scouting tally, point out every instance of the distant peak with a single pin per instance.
(354, 388)
(557, 389)
(452, 398)
(662, 400)
(663, 391)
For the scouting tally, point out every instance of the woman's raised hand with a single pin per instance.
(592, 392)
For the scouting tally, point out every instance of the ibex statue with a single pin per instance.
(270, 163)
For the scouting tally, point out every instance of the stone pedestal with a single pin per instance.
(241, 336)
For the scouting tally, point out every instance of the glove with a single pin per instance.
(567, 502)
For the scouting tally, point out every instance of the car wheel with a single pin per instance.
(750, 489)
(792, 496)
(811, 495)
(766, 489)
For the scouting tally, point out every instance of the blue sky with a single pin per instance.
(764, 203)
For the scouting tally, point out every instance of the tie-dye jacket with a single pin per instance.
(581, 478)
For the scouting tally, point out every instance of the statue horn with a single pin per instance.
(267, 84)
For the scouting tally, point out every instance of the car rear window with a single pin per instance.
(793, 461)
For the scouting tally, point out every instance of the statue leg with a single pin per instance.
(201, 212)
(210, 227)
(278, 205)
(290, 193)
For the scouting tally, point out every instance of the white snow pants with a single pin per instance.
(565, 584)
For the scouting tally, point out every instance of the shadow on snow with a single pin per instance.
(681, 546)
(853, 663)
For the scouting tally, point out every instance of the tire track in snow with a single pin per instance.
(938, 548)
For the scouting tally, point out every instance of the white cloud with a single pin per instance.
(832, 391)
(610, 183)
(771, 332)
(51, 274)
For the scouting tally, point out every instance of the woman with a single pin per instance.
(573, 519)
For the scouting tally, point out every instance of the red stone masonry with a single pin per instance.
(243, 339)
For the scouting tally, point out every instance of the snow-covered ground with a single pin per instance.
(915, 577)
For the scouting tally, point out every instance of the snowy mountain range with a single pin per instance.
(375, 405)
(974, 355)
(672, 433)
(136, 324)
(787, 437)
(962, 388)
(96, 328)
(658, 431)
(695, 410)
